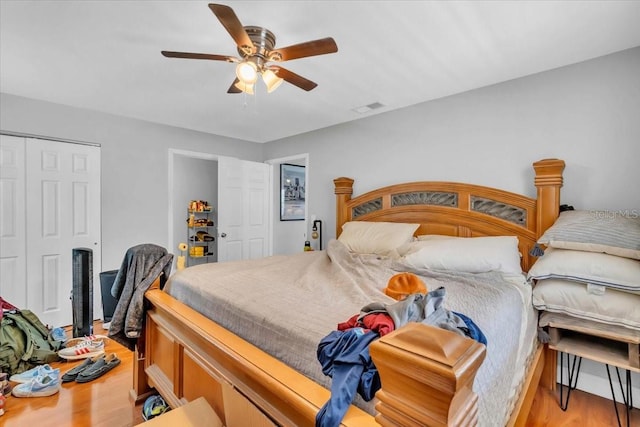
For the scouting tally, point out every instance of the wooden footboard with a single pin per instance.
(427, 374)
(188, 356)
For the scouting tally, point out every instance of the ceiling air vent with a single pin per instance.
(367, 108)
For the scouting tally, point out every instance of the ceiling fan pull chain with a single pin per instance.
(245, 103)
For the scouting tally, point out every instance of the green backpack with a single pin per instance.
(25, 342)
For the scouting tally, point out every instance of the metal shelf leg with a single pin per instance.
(573, 378)
(627, 393)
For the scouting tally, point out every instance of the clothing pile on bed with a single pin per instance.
(590, 269)
(344, 353)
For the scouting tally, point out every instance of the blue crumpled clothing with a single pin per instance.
(472, 330)
(344, 356)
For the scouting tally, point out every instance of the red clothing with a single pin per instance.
(376, 322)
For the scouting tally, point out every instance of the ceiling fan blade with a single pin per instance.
(233, 88)
(302, 50)
(189, 55)
(232, 24)
(293, 78)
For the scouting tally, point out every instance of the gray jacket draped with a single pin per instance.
(142, 265)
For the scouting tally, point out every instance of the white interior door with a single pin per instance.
(13, 270)
(63, 213)
(243, 215)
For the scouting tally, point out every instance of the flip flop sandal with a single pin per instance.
(98, 369)
(73, 373)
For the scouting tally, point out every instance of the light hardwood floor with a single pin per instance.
(102, 402)
(105, 402)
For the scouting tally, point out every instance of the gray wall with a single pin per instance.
(134, 164)
(587, 114)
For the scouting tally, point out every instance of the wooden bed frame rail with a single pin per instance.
(427, 373)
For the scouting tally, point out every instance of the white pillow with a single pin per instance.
(587, 267)
(596, 231)
(376, 237)
(423, 237)
(465, 254)
(414, 244)
(576, 300)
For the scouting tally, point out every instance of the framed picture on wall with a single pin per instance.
(292, 192)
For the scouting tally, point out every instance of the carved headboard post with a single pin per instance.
(548, 180)
(343, 190)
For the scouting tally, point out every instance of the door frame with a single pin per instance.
(172, 153)
(275, 177)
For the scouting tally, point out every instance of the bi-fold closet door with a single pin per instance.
(50, 197)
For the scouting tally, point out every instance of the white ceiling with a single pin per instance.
(105, 55)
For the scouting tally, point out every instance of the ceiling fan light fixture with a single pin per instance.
(247, 72)
(245, 87)
(271, 80)
(256, 48)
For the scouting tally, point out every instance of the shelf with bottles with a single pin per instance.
(200, 252)
(197, 206)
(202, 223)
(200, 231)
(200, 219)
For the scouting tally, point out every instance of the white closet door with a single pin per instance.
(13, 272)
(63, 213)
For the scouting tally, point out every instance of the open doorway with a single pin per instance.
(288, 236)
(239, 194)
(192, 176)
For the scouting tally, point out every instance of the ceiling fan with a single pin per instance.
(256, 46)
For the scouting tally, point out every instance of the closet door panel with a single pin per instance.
(13, 274)
(63, 197)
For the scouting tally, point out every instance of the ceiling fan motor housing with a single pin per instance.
(264, 41)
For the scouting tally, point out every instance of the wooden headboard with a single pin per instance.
(457, 209)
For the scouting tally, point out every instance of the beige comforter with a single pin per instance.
(287, 304)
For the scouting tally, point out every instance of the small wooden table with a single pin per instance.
(612, 345)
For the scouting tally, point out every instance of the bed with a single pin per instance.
(427, 373)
